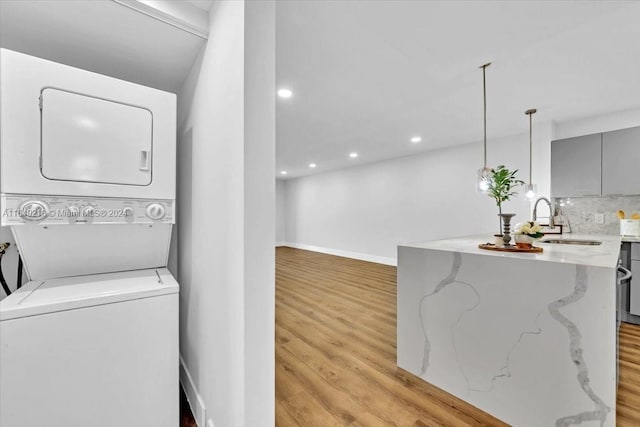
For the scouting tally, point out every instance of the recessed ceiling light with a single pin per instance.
(312, 165)
(416, 139)
(353, 155)
(283, 172)
(285, 93)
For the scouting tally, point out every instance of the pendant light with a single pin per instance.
(483, 180)
(530, 191)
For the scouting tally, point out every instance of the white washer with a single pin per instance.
(99, 350)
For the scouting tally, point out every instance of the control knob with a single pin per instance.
(73, 211)
(34, 210)
(88, 211)
(155, 211)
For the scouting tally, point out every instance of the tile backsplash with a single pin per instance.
(581, 212)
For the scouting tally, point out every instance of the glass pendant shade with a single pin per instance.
(483, 181)
(530, 192)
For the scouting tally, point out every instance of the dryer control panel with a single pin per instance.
(22, 209)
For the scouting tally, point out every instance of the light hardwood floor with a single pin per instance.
(628, 407)
(336, 352)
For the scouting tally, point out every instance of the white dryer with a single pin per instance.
(71, 132)
(87, 168)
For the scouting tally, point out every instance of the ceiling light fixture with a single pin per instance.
(416, 139)
(283, 172)
(285, 93)
(530, 192)
(353, 155)
(312, 165)
(483, 180)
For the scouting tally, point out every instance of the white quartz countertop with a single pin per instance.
(631, 239)
(604, 255)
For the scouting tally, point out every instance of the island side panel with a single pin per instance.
(531, 342)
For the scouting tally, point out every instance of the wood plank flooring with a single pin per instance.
(628, 407)
(186, 416)
(336, 352)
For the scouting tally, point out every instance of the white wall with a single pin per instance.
(280, 211)
(366, 211)
(259, 213)
(226, 224)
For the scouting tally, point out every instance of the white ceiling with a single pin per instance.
(202, 4)
(101, 36)
(368, 75)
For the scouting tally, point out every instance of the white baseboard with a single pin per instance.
(346, 254)
(193, 397)
(281, 244)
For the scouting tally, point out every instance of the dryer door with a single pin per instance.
(89, 139)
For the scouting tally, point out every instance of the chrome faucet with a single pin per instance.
(535, 210)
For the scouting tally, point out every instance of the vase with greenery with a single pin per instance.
(527, 232)
(501, 189)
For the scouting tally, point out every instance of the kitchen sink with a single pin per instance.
(572, 242)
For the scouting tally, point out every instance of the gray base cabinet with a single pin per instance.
(634, 288)
(634, 291)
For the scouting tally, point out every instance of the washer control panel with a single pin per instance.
(156, 211)
(19, 209)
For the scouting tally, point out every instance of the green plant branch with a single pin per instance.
(501, 187)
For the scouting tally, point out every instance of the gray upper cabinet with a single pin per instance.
(576, 166)
(621, 162)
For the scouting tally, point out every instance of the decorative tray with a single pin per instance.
(513, 248)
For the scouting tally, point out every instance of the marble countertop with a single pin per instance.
(604, 255)
(528, 338)
(630, 239)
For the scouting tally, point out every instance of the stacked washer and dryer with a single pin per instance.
(88, 188)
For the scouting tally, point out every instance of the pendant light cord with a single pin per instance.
(530, 149)
(484, 98)
(530, 113)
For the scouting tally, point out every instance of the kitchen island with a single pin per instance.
(529, 338)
